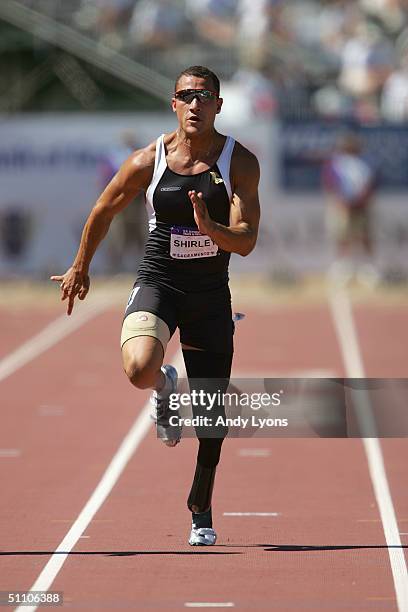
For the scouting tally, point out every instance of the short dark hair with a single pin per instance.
(202, 72)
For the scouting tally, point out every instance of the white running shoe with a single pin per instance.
(202, 536)
(170, 434)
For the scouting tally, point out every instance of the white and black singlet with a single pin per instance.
(183, 277)
(176, 254)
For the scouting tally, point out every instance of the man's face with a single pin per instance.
(196, 117)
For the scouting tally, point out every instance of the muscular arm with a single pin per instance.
(129, 180)
(133, 176)
(241, 234)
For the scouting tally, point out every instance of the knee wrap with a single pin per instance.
(141, 323)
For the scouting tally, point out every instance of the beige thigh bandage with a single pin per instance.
(143, 323)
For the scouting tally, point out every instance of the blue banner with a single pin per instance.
(306, 145)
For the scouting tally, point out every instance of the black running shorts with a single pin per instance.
(204, 319)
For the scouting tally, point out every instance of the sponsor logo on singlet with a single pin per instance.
(170, 188)
(216, 178)
(189, 243)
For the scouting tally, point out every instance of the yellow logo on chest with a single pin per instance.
(216, 178)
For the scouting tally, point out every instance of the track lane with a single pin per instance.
(67, 430)
(383, 333)
(383, 336)
(327, 527)
(19, 322)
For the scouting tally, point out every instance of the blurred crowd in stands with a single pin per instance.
(334, 58)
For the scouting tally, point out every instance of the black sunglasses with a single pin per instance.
(188, 95)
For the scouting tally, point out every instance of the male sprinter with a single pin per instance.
(202, 198)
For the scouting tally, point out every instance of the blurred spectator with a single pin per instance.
(106, 18)
(394, 102)
(15, 226)
(391, 15)
(127, 233)
(336, 57)
(258, 20)
(330, 102)
(349, 182)
(214, 20)
(300, 19)
(158, 24)
(336, 22)
(367, 61)
(256, 91)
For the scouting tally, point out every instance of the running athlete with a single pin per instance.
(201, 193)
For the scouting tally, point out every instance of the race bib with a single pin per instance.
(189, 243)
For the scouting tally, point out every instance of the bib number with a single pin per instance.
(189, 243)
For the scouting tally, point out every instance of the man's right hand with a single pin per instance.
(73, 283)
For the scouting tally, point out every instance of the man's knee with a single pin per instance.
(140, 375)
(142, 358)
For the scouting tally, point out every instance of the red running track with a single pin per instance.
(66, 413)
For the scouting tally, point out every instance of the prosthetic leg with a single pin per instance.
(210, 371)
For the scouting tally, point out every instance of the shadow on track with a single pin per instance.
(266, 547)
(113, 553)
(307, 547)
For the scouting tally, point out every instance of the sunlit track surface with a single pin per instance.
(349, 344)
(298, 522)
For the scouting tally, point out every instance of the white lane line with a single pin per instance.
(112, 474)
(311, 373)
(347, 337)
(346, 333)
(254, 452)
(250, 513)
(55, 331)
(10, 452)
(208, 604)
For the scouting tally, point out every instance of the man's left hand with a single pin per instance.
(204, 222)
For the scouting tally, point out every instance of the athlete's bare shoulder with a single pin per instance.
(244, 164)
(137, 170)
(242, 155)
(142, 160)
